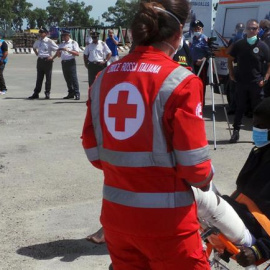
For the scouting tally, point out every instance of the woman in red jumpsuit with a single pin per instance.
(144, 129)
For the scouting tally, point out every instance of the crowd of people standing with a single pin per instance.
(248, 54)
(97, 55)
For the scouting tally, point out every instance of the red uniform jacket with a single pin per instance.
(144, 129)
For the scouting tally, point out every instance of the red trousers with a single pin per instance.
(160, 253)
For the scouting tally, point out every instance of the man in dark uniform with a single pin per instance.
(183, 56)
(43, 48)
(250, 54)
(239, 34)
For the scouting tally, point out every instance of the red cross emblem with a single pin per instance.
(122, 110)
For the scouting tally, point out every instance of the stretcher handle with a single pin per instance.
(228, 244)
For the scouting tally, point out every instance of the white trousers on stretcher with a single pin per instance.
(213, 210)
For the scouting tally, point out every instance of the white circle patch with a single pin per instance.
(256, 50)
(124, 111)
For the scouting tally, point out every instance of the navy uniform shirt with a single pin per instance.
(251, 60)
(199, 47)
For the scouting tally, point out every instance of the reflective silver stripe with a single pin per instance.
(148, 200)
(95, 107)
(192, 157)
(165, 91)
(92, 153)
(136, 159)
(205, 181)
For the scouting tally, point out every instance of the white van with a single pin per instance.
(231, 12)
(205, 11)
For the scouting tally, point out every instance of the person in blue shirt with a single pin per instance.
(3, 61)
(112, 42)
(199, 50)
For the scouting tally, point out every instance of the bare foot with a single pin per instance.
(97, 237)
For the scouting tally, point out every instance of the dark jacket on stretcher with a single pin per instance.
(254, 182)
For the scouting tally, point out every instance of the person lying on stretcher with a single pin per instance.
(244, 217)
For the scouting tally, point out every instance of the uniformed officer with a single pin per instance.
(250, 54)
(183, 56)
(43, 48)
(96, 56)
(199, 50)
(68, 50)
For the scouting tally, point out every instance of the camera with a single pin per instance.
(211, 43)
(212, 39)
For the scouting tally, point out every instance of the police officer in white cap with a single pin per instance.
(96, 56)
(43, 48)
(68, 50)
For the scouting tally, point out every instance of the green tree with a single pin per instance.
(69, 13)
(57, 11)
(37, 18)
(12, 14)
(122, 13)
(6, 15)
(19, 10)
(78, 14)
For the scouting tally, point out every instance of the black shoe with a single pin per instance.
(34, 96)
(110, 267)
(77, 97)
(69, 96)
(235, 136)
(47, 95)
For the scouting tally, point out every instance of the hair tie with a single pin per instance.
(168, 12)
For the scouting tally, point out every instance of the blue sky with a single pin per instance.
(99, 6)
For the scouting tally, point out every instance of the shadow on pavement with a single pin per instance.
(61, 101)
(68, 249)
(33, 100)
(225, 142)
(73, 102)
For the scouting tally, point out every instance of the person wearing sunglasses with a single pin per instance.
(250, 54)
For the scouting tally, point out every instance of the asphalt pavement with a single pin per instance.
(50, 194)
